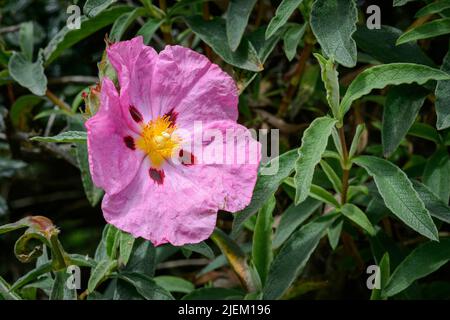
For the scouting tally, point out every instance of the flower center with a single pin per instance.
(158, 140)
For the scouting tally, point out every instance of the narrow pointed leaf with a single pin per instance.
(213, 33)
(282, 14)
(262, 239)
(236, 258)
(356, 215)
(94, 7)
(381, 76)
(292, 38)
(294, 255)
(437, 208)
(443, 98)
(428, 30)
(421, 262)
(314, 142)
(399, 195)
(400, 111)
(437, 174)
(237, 18)
(64, 137)
(330, 78)
(433, 8)
(333, 23)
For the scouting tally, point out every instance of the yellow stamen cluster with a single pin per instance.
(158, 140)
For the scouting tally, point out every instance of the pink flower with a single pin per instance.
(144, 144)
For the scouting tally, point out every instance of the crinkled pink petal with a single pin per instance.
(235, 161)
(133, 62)
(112, 164)
(178, 211)
(187, 83)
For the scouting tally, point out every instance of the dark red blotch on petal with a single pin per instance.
(172, 116)
(129, 142)
(135, 114)
(186, 158)
(157, 175)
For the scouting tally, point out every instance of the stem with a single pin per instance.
(295, 79)
(57, 253)
(346, 171)
(61, 104)
(166, 27)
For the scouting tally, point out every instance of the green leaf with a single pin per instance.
(421, 262)
(442, 94)
(437, 208)
(143, 258)
(356, 140)
(381, 44)
(385, 273)
(334, 233)
(428, 30)
(314, 142)
(381, 76)
(93, 193)
(149, 28)
(31, 275)
(282, 14)
(126, 243)
(319, 193)
(262, 239)
(100, 273)
(174, 284)
(330, 78)
(28, 74)
(112, 240)
(292, 218)
(213, 33)
(26, 39)
(356, 215)
(60, 290)
(66, 37)
(21, 109)
(433, 8)
(437, 174)
(294, 255)
(82, 261)
(5, 291)
(399, 195)
(237, 18)
(236, 258)
(22, 223)
(333, 23)
(123, 22)
(292, 38)
(332, 176)
(100, 252)
(400, 111)
(201, 248)
(146, 286)
(64, 137)
(399, 3)
(94, 7)
(425, 131)
(263, 46)
(266, 185)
